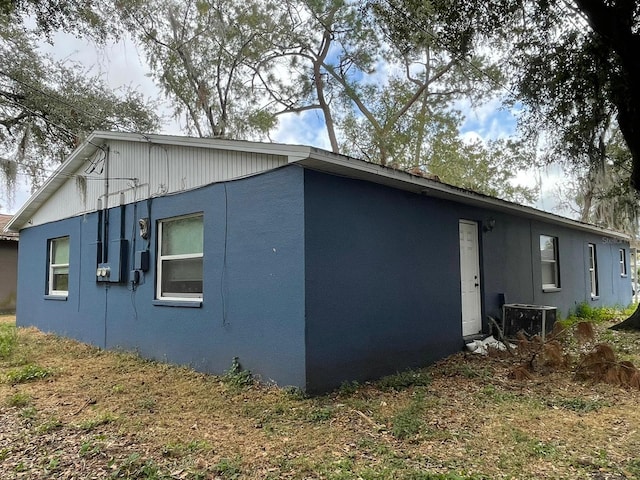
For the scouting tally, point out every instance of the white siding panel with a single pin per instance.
(142, 170)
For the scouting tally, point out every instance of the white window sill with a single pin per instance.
(551, 289)
(60, 298)
(595, 297)
(178, 303)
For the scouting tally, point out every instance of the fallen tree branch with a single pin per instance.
(500, 335)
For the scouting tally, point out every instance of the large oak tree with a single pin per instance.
(573, 64)
(47, 107)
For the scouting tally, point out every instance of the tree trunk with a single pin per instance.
(612, 21)
(631, 323)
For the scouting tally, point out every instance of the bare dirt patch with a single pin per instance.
(71, 411)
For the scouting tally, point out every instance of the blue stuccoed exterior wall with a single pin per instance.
(309, 279)
(382, 272)
(253, 305)
(382, 280)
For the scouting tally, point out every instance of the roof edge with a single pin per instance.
(435, 188)
(96, 140)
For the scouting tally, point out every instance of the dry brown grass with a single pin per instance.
(112, 415)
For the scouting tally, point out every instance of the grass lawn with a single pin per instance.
(68, 410)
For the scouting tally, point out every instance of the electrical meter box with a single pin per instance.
(113, 270)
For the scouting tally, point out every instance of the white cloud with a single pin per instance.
(306, 128)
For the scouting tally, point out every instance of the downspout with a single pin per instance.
(105, 206)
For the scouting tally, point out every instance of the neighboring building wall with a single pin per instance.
(8, 275)
(253, 300)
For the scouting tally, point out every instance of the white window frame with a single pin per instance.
(57, 266)
(593, 271)
(623, 262)
(195, 297)
(554, 262)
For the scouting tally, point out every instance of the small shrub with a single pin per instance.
(320, 414)
(236, 376)
(403, 380)
(28, 413)
(28, 373)
(584, 311)
(294, 393)
(349, 388)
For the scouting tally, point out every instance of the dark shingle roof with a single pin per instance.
(4, 219)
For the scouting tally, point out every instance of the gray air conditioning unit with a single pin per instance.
(532, 319)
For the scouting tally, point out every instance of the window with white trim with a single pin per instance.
(58, 281)
(593, 271)
(180, 253)
(623, 262)
(549, 262)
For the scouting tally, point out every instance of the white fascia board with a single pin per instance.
(97, 139)
(292, 152)
(359, 169)
(53, 183)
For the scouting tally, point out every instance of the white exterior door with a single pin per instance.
(470, 278)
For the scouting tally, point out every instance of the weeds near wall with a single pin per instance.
(8, 340)
(237, 377)
(27, 373)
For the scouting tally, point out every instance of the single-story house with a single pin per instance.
(311, 268)
(8, 267)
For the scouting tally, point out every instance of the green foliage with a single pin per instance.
(348, 388)
(408, 421)
(29, 413)
(8, 340)
(49, 425)
(321, 414)
(580, 405)
(217, 82)
(229, 468)
(19, 400)
(490, 169)
(48, 107)
(403, 380)
(237, 377)
(574, 83)
(90, 448)
(92, 423)
(633, 468)
(584, 312)
(177, 450)
(294, 393)
(27, 373)
(135, 468)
